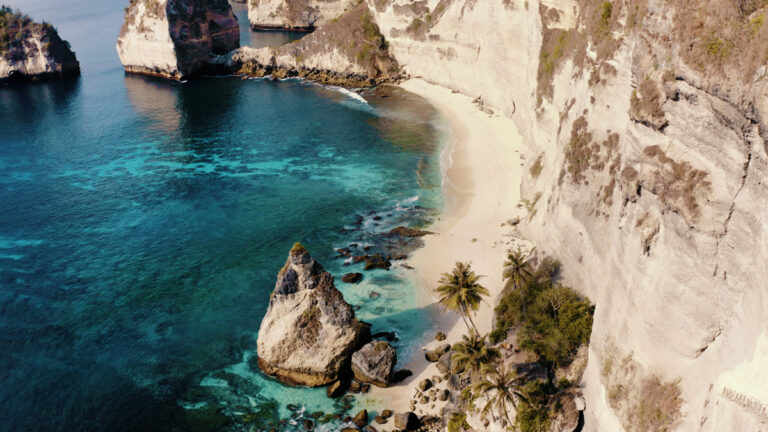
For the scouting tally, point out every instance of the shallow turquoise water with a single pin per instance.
(143, 222)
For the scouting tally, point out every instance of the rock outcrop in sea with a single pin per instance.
(349, 51)
(297, 15)
(31, 50)
(309, 331)
(177, 39)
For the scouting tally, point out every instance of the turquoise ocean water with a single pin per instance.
(142, 224)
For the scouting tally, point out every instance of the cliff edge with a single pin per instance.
(296, 15)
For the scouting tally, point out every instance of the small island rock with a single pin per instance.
(309, 331)
(31, 50)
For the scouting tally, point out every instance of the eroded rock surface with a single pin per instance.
(177, 39)
(31, 50)
(349, 51)
(374, 363)
(298, 15)
(309, 331)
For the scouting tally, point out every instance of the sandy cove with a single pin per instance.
(482, 191)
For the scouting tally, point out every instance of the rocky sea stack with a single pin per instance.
(177, 39)
(31, 51)
(309, 332)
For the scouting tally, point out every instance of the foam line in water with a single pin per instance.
(350, 94)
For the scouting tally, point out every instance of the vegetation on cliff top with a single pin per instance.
(15, 27)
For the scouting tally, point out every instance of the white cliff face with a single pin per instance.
(40, 54)
(295, 14)
(650, 198)
(176, 38)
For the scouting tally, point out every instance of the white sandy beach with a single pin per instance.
(482, 189)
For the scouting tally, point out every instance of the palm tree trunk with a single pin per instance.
(473, 323)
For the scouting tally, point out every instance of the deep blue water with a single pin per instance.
(142, 223)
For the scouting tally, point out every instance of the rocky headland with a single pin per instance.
(177, 39)
(309, 332)
(295, 15)
(31, 50)
(348, 51)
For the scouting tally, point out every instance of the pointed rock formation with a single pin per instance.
(31, 51)
(176, 39)
(309, 331)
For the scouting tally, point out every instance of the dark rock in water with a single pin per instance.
(335, 390)
(397, 257)
(388, 336)
(374, 363)
(374, 295)
(361, 419)
(349, 429)
(309, 332)
(401, 375)
(406, 421)
(344, 252)
(355, 387)
(440, 336)
(292, 407)
(352, 278)
(316, 414)
(408, 232)
(309, 425)
(377, 218)
(205, 418)
(376, 262)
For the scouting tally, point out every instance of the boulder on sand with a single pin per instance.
(309, 332)
(374, 363)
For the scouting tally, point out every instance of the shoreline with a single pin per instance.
(482, 191)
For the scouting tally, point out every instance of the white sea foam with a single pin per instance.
(350, 94)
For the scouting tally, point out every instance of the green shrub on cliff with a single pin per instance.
(553, 319)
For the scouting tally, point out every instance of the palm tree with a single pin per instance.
(517, 272)
(460, 292)
(473, 354)
(503, 388)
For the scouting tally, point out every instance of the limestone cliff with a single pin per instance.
(349, 51)
(647, 125)
(647, 121)
(300, 15)
(309, 332)
(176, 38)
(31, 51)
